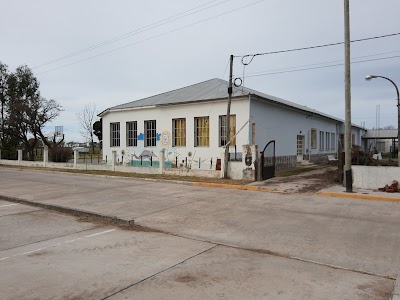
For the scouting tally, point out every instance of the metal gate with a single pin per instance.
(268, 162)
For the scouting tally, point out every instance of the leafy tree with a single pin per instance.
(24, 111)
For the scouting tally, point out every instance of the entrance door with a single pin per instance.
(300, 147)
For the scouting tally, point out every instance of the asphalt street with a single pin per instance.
(216, 243)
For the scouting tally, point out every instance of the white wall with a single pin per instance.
(272, 121)
(164, 115)
(283, 124)
(372, 177)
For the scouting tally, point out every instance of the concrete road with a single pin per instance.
(47, 255)
(352, 234)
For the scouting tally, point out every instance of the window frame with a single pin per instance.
(115, 134)
(203, 140)
(314, 138)
(179, 132)
(333, 141)
(150, 141)
(222, 130)
(327, 141)
(321, 140)
(131, 140)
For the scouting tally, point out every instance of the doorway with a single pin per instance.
(300, 147)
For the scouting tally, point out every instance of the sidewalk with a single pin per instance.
(361, 194)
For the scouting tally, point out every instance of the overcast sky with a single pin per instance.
(195, 46)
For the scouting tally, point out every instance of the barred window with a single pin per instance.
(321, 140)
(223, 130)
(131, 134)
(202, 132)
(327, 141)
(333, 141)
(114, 134)
(179, 132)
(150, 134)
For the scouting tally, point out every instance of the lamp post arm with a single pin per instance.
(397, 89)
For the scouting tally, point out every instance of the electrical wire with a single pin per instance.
(312, 47)
(153, 37)
(134, 32)
(322, 67)
(320, 63)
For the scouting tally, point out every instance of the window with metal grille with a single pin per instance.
(321, 140)
(131, 134)
(327, 141)
(223, 133)
(114, 135)
(201, 132)
(179, 132)
(333, 141)
(150, 134)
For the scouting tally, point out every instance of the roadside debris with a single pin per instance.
(393, 188)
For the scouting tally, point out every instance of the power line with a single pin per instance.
(135, 32)
(312, 47)
(320, 63)
(153, 37)
(322, 67)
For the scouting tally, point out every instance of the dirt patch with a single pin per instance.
(307, 183)
(186, 279)
(108, 222)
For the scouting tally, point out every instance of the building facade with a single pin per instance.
(189, 125)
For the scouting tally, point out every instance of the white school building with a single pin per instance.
(189, 124)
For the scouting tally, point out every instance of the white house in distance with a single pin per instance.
(190, 124)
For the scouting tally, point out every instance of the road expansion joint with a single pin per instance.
(52, 238)
(130, 225)
(157, 273)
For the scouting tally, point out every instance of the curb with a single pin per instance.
(231, 186)
(193, 183)
(358, 196)
(71, 211)
(396, 291)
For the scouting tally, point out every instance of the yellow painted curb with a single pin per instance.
(359, 196)
(232, 186)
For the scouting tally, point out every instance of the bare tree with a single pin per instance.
(86, 118)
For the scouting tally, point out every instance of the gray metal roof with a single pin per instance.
(380, 134)
(209, 90)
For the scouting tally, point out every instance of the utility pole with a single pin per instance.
(228, 118)
(347, 132)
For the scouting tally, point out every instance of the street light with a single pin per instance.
(369, 77)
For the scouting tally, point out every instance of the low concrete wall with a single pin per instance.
(193, 172)
(235, 170)
(374, 177)
(244, 169)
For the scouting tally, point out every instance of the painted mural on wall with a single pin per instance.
(140, 156)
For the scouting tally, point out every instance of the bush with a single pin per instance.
(60, 154)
